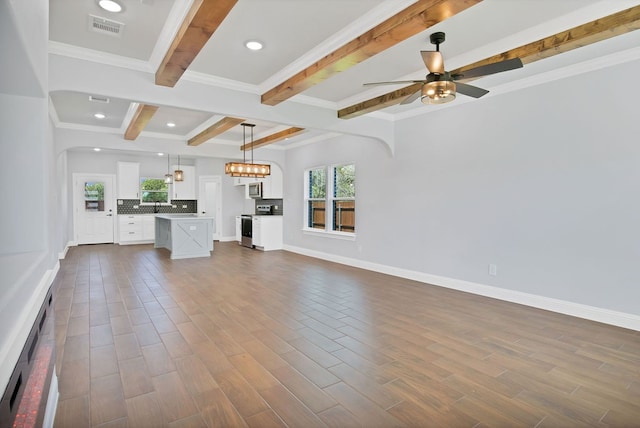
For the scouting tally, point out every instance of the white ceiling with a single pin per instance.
(295, 34)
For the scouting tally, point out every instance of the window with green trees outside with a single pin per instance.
(154, 190)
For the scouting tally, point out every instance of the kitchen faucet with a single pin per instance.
(156, 207)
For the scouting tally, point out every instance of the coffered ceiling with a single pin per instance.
(320, 52)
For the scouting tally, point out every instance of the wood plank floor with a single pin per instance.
(253, 339)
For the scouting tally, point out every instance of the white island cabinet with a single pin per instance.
(184, 235)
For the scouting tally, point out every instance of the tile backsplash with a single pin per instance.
(128, 206)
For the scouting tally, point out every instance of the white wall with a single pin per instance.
(29, 246)
(542, 182)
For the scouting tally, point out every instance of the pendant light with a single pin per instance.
(178, 174)
(168, 178)
(244, 169)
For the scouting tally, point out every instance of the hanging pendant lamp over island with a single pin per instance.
(244, 169)
(178, 174)
(168, 177)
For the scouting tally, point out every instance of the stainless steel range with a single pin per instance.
(246, 227)
(264, 209)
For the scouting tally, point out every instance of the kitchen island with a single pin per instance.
(185, 235)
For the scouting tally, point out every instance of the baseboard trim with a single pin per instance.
(227, 238)
(592, 313)
(52, 402)
(62, 254)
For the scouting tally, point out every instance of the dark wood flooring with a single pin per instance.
(275, 339)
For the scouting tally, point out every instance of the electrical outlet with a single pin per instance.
(493, 270)
(184, 206)
(135, 207)
(120, 202)
(174, 206)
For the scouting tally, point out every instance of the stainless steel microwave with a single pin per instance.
(255, 190)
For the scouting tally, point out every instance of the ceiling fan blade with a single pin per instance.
(498, 67)
(433, 60)
(470, 90)
(411, 98)
(395, 82)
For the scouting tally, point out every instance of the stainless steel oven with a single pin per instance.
(246, 227)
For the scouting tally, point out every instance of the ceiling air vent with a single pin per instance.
(96, 99)
(105, 26)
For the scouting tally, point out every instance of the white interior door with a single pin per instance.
(93, 208)
(210, 201)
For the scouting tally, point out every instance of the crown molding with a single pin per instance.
(311, 140)
(63, 49)
(221, 82)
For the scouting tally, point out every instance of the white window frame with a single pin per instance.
(329, 199)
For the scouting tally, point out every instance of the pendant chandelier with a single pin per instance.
(244, 169)
(168, 178)
(178, 174)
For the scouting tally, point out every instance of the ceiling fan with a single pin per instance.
(439, 87)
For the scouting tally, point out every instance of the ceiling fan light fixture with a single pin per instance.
(438, 92)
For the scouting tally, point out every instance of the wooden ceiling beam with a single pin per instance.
(217, 128)
(409, 22)
(139, 121)
(600, 29)
(273, 138)
(201, 22)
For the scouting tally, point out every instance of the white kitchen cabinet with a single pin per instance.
(256, 232)
(148, 227)
(130, 228)
(272, 185)
(185, 189)
(128, 176)
(136, 229)
(267, 232)
(238, 229)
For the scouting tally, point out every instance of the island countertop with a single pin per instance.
(185, 235)
(183, 216)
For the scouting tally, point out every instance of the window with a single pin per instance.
(154, 190)
(317, 198)
(344, 198)
(94, 196)
(332, 187)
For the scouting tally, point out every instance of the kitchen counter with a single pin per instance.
(184, 235)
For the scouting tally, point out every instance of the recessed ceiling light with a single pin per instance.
(160, 154)
(171, 124)
(97, 149)
(99, 116)
(254, 45)
(110, 5)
